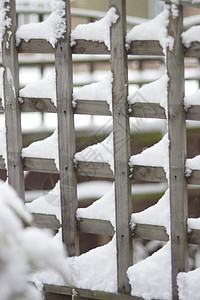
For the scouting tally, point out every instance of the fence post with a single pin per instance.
(121, 140)
(12, 110)
(177, 153)
(66, 138)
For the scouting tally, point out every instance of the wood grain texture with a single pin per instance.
(66, 138)
(12, 110)
(121, 145)
(177, 151)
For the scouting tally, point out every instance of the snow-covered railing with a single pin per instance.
(162, 162)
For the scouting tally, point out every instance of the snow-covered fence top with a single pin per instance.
(109, 268)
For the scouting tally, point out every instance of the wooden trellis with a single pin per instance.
(68, 173)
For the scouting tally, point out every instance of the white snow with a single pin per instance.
(97, 209)
(101, 90)
(151, 278)
(191, 35)
(23, 250)
(96, 31)
(188, 285)
(155, 29)
(47, 148)
(192, 164)
(4, 21)
(192, 100)
(154, 92)
(101, 152)
(44, 88)
(156, 156)
(193, 223)
(52, 29)
(158, 214)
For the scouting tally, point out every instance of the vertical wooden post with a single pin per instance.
(177, 153)
(12, 110)
(66, 138)
(121, 136)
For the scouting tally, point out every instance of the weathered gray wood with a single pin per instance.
(66, 138)
(148, 173)
(150, 232)
(43, 165)
(35, 46)
(88, 294)
(193, 113)
(194, 237)
(95, 226)
(94, 169)
(194, 177)
(147, 110)
(185, 2)
(12, 111)
(92, 107)
(37, 105)
(89, 47)
(121, 146)
(145, 48)
(177, 152)
(193, 50)
(46, 221)
(2, 163)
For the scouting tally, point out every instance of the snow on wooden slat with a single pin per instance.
(12, 110)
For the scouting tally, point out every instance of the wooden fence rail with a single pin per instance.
(176, 119)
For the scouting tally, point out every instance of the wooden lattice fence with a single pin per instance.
(175, 116)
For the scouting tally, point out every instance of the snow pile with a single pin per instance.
(97, 209)
(98, 31)
(101, 90)
(101, 152)
(52, 29)
(4, 21)
(192, 100)
(96, 269)
(155, 29)
(47, 204)
(44, 88)
(188, 285)
(23, 250)
(190, 36)
(158, 214)
(193, 223)
(192, 164)
(154, 92)
(47, 148)
(151, 278)
(156, 156)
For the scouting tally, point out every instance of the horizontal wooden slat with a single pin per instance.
(46, 221)
(194, 237)
(92, 107)
(194, 177)
(50, 292)
(147, 110)
(2, 163)
(37, 105)
(95, 226)
(145, 48)
(185, 2)
(43, 165)
(150, 232)
(148, 173)
(94, 169)
(151, 48)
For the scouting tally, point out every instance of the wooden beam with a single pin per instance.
(89, 47)
(94, 169)
(37, 105)
(121, 145)
(46, 221)
(12, 110)
(51, 292)
(66, 138)
(148, 173)
(150, 232)
(95, 226)
(177, 151)
(145, 47)
(43, 165)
